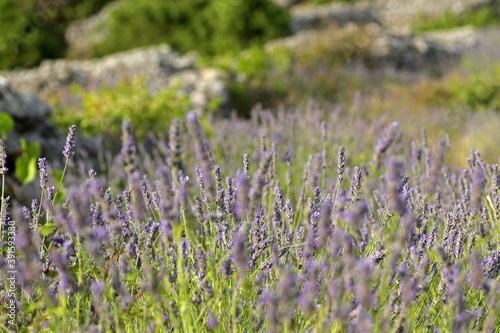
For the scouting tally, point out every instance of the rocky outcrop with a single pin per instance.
(82, 34)
(398, 13)
(160, 67)
(31, 120)
(339, 13)
(400, 49)
(405, 50)
(388, 13)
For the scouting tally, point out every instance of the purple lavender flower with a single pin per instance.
(241, 205)
(287, 291)
(394, 177)
(129, 150)
(239, 246)
(219, 199)
(478, 188)
(340, 161)
(355, 185)
(385, 141)
(92, 174)
(146, 191)
(51, 191)
(44, 174)
(175, 144)
(263, 147)
(212, 321)
(325, 222)
(69, 147)
(202, 152)
(226, 269)
(3, 159)
(259, 179)
(5, 211)
(230, 196)
(246, 168)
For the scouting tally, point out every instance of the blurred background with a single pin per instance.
(432, 64)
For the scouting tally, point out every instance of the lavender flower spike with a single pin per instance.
(44, 175)
(69, 148)
(3, 159)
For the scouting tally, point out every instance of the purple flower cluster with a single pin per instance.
(191, 240)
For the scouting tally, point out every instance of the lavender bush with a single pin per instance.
(292, 221)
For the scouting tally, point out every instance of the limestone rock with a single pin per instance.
(80, 35)
(392, 13)
(407, 51)
(308, 17)
(387, 13)
(160, 67)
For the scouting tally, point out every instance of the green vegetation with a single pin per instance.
(474, 91)
(102, 111)
(6, 125)
(480, 17)
(33, 30)
(26, 161)
(295, 74)
(207, 26)
(377, 237)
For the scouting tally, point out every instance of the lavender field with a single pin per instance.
(249, 166)
(311, 221)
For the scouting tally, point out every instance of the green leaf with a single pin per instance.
(22, 168)
(26, 164)
(6, 124)
(47, 229)
(30, 307)
(31, 171)
(52, 274)
(33, 150)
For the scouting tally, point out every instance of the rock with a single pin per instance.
(32, 123)
(31, 116)
(391, 13)
(81, 35)
(460, 38)
(160, 67)
(404, 50)
(387, 13)
(309, 17)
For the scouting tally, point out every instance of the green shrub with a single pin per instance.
(26, 160)
(25, 39)
(103, 111)
(481, 91)
(295, 74)
(208, 26)
(33, 30)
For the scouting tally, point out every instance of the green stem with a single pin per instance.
(61, 180)
(339, 181)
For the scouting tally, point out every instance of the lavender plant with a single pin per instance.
(226, 237)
